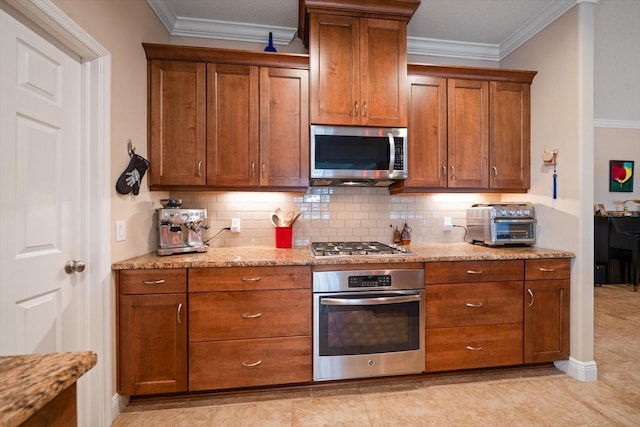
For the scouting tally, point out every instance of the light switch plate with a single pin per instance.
(121, 231)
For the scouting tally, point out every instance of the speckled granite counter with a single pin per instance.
(268, 256)
(30, 382)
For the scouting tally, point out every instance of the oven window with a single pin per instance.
(366, 329)
(508, 231)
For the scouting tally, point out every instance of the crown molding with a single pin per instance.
(619, 124)
(255, 33)
(452, 49)
(552, 11)
(212, 29)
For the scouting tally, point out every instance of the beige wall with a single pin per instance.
(121, 26)
(562, 118)
(616, 144)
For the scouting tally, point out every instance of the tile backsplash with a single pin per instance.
(333, 214)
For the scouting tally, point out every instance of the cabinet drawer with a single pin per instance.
(245, 363)
(472, 304)
(156, 281)
(248, 278)
(473, 271)
(249, 314)
(473, 347)
(540, 269)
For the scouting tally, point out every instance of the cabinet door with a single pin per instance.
(427, 132)
(177, 123)
(334, 64)
(152, 344)
(546, 320)
(383, 70)
(510, 144)
(468, 127)
(232, 125)
(284, 127)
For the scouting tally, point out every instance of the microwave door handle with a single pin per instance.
(370, 301)
(392, 152)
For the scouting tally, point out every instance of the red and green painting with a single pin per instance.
(621, 175)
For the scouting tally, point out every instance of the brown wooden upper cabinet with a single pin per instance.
(469, 129)
(227, 119)
(357, 62)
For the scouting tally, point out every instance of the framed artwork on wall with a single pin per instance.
(621, 175)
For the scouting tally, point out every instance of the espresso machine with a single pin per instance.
(180, 230)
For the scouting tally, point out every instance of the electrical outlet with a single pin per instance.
(121, 231)
(448, 225)
(235, 225)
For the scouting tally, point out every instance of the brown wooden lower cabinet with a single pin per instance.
(546, 310)
(473, 347)
(245, 363)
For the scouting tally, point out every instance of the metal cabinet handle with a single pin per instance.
(475, 347)
(444, 170)
(495, 171)
(453, 171)
(251, 365)
(547, 270)
(253, 169)
(531, 295)
(251, 279)
(364, 109)
(264, 169)
(199, 172)
(179, 314)
(477, 304)
(74, 266)
(153, 282)
(250, 316)
(357, 109)
(475, 272)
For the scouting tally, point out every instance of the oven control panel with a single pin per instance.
(369, 281)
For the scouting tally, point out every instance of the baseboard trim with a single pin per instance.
(582, 371)
(118, 403)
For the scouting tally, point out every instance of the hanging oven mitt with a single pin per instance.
(132, 176)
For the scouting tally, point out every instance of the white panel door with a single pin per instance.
(40, 194)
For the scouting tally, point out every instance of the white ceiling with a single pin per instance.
(470, 29)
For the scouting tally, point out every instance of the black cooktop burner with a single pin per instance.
(325, 249)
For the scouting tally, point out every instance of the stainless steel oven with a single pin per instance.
(368, 323)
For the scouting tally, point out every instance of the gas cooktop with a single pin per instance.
(342, 249)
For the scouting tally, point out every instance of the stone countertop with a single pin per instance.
(29, 382)
(252, 256)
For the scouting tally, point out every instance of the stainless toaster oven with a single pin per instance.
(497, 224)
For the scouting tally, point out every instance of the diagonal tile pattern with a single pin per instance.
(541, 396)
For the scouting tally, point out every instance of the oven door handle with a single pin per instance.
(370, 301)
(516, 220)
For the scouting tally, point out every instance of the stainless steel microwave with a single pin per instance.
(357, 156)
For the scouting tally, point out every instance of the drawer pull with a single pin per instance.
(153, 282)
(475, 304)
(251, 365)
(531, 295)
(475, 272)
(251, 279)
(250, 316)
(475, 348)
(547, 270)
(179, 313)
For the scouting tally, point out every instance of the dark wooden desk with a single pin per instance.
(617, 248)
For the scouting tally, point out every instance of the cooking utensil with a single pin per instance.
(275, 220)
(294, 219)
(280, 216)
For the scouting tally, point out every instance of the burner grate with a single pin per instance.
(342, 249)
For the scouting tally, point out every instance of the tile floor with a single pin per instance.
(521, 397)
